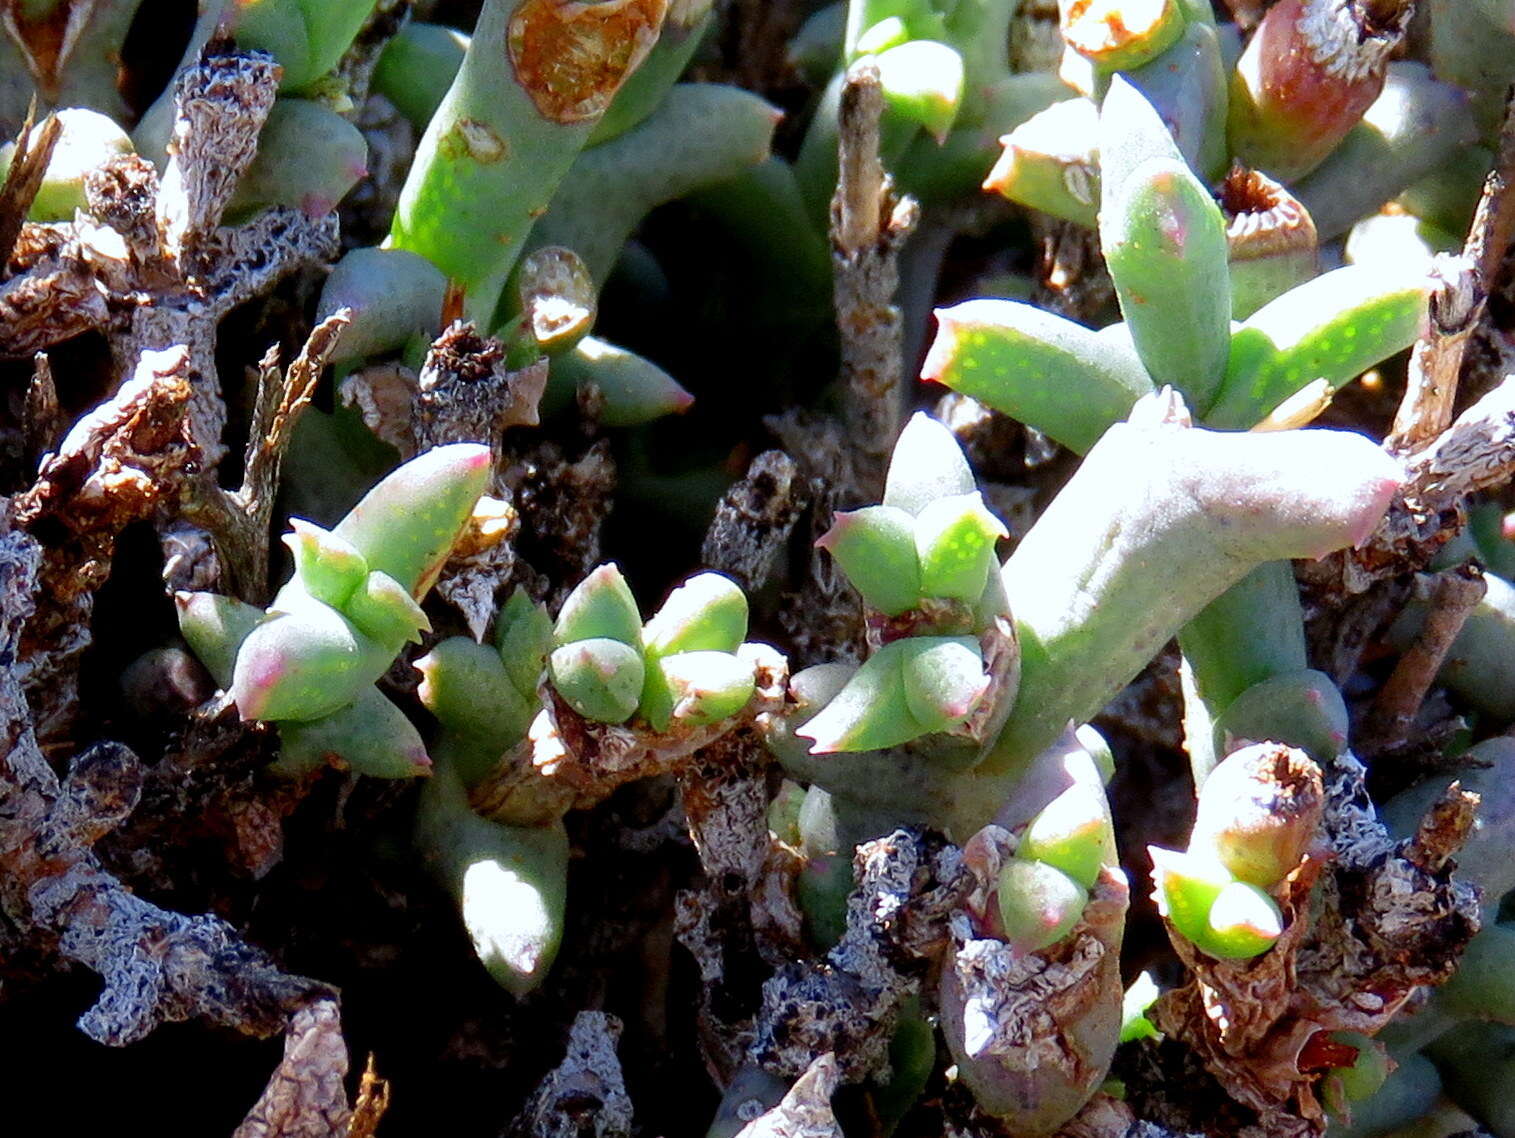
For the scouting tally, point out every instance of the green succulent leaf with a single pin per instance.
(1164, 239)
(214, 627)
(1131, 133)
(870, 712)
(1303, 709)
(944, 679)
(922, 82)
(304, 664)
(1039, 368)
(1140, 997)
(406, 525)
(1185, 887)
(467, 687)
(600, 607)
(370, 735)
(927, 464)
(1038, 904)
(954, 541)
(1049, 162)
(523, 635)
(600, 678)
(708, 612)
(875, 547)
(1074, 832)
(1244, 922)
(327, 567)
(701, 688)
(385, 611)
(1333, 327)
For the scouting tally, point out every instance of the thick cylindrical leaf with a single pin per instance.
(1041, 369)
(307, 37)
(391, 295)
(870, 712)
(1075, 833)
(701, 134)
(708, 612)
(1244, 921)
(466, 686)
(954, 542)
(927, 464)
(214, 627)
(632, 390)
(702, 687)
(922, 82)
(1186, 85)
(1334, 328)
(944, 679)
(1049, 162)
(1094, 601)
(1250, 633)
(1130, 133)
(418, 65)
(1302, 709)
(326, 566)
(1164, 239)
(383, 610)
(523, 635)
(1484, 985)
(510, 882)
(1185, 887)
(536, 77)
(1038, 904)
(308, 158)
(304, 664)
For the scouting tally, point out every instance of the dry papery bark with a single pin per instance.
(156, 966)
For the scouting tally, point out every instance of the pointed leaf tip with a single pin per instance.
(927, 464)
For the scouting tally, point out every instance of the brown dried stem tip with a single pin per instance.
(34, 149)
(869, 224)
(1458, 303)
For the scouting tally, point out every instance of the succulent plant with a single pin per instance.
(552, 141)
(310, 660)
(921, 561)
(680, 670)
(1259, 812)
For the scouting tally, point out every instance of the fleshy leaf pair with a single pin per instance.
(682, 668)
(932, 536)
(1170, 258)
(310, 661)
(1259, 811)
(1043, 889)
(908, 688)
